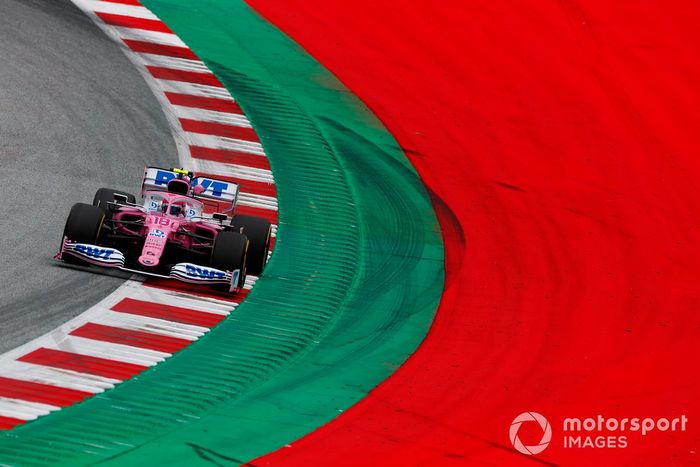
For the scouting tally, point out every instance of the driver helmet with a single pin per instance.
(182, 183)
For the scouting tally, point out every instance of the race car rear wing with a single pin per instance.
(224, 194)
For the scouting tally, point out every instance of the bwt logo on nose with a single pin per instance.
(546, 433)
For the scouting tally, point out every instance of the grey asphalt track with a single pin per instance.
(75, 115)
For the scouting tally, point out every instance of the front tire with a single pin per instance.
(230, 253)
(259, 231)
(83, 225)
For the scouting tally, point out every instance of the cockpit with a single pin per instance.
(177, 206)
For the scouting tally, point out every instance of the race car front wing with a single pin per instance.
(184, 272)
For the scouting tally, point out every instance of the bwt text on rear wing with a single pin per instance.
(221, 193)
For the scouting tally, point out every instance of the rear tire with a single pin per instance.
(104, 196)
(259, 231)
(83, 225)
(230, 253)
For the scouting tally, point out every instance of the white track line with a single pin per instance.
(57, 377)
(185, 300)
(121, 9)
(257, 201)
(109, 351)
(24, 410)
(224, 142)
(204, 115)
(164, 38)
(174, 63)
(193, 89)
(235, 170)
(152, 325)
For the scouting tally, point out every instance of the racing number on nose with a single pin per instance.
(159, 220)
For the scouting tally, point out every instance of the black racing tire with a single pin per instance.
(259, 231)
(104, 196)
(230, 253)
(83, 225)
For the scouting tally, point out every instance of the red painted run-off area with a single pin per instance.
(562, 144)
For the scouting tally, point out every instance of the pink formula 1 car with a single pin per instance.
(168, 235)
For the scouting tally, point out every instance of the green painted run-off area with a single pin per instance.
(349, 293)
